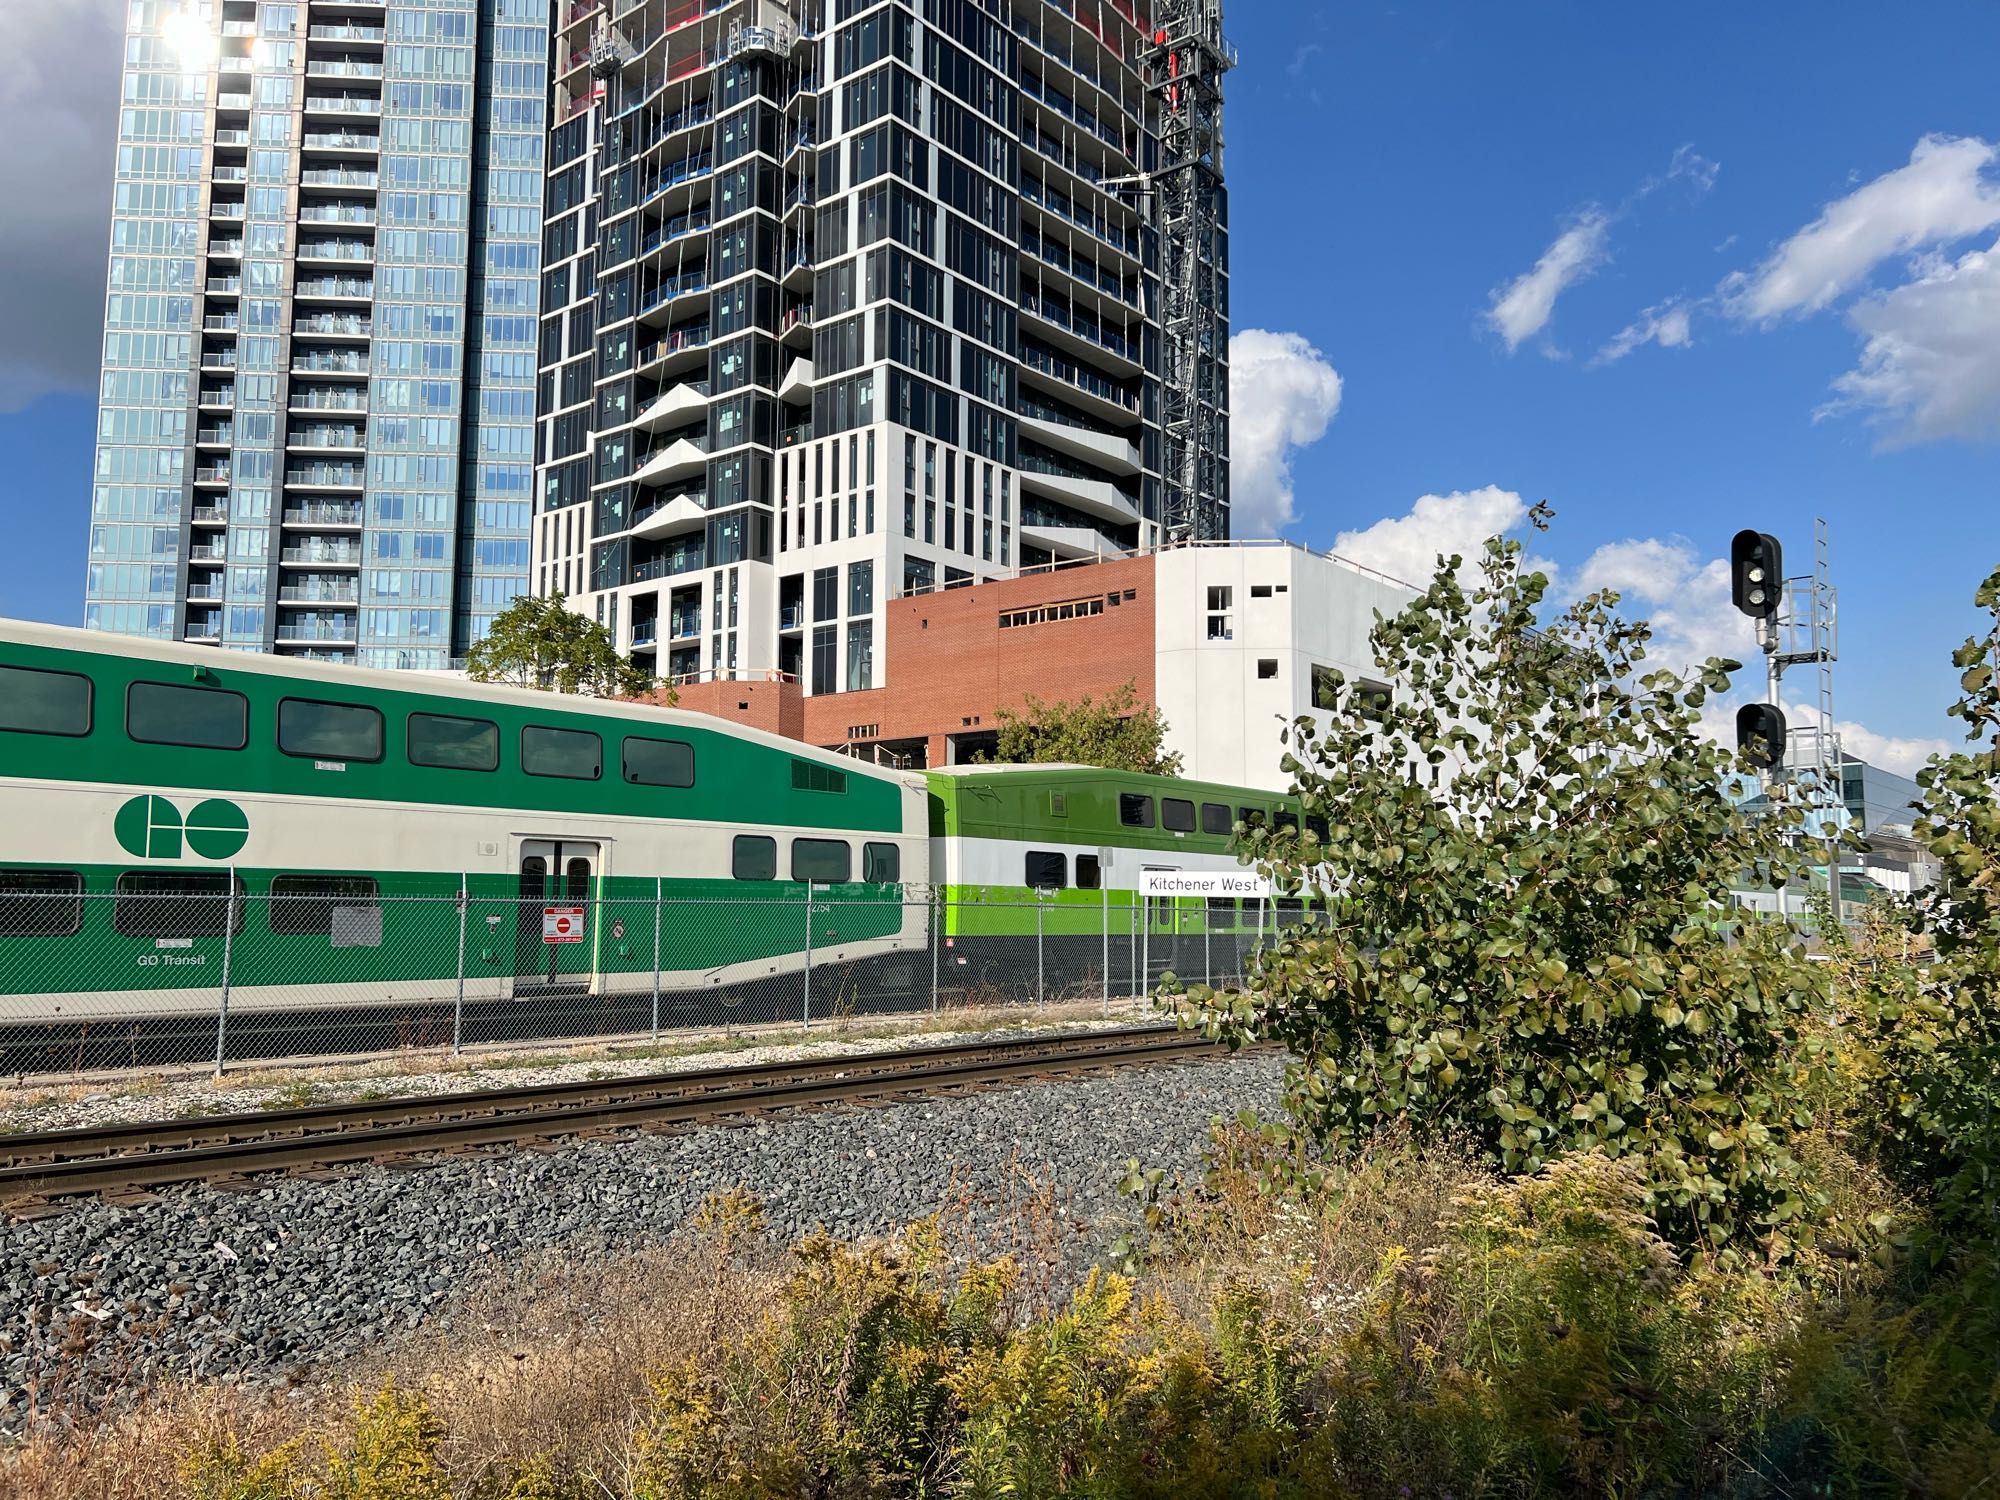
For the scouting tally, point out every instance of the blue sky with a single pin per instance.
(1395, 172)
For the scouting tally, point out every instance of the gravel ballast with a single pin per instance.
(240, 1286)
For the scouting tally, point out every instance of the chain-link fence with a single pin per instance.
(175, 968)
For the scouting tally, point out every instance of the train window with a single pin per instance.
(40, 903)
(452, 744)
(576, 880)
(329, 731)
(826, 861)
(658, 762)
(159, 713)
(808, 776)
(1251, 817)
(36, 702)
(1089, 872)
(1285, 820)
(1221, 911)
(1047, 870)
(170, 904)
(1290, 909)
(573, 753)
(755, 857)
(1215, 818)
(1318, 827)
(881, 864)
(302, 905)
(1177, 815)
(1135, 809)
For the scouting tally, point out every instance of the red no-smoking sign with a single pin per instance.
(562, 924)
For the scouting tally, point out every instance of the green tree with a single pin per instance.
(1932, 1032)
(1116, 731)
(1527, 939)
(542, 643)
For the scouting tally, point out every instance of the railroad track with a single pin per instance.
(38, 1172)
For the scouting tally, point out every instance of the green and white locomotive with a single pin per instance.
(385, 854)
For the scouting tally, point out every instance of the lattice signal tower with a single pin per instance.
(1186, 62)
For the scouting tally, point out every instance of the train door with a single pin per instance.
(1159, 928)
(555, 939)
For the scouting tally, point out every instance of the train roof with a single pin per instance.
(443, 684)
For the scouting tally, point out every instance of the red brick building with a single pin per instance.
(954, 658)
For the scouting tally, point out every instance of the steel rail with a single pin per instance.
(121, 1158)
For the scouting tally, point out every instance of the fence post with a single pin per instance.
(1145, 944)
(1105, 893)
(458, 1006)
(937, 942)
(228, 952)
(806, 1011)
(659, 893)
(1207, 932)
(1041, 992)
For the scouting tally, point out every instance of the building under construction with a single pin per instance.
(846, 302)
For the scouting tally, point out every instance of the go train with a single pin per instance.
(366, 851)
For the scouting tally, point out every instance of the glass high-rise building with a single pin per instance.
(844, 301)
(317, 403)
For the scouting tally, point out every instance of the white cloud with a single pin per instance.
(59, 72)
(1408, 546)
(1282, 395)
(1940, 196)
(1668, 325)
(1902, 754)
(1523, 307)
(1930, 363)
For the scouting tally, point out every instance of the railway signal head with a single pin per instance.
(1760, 735)
(1757, 573)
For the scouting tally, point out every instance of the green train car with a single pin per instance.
(352, 844)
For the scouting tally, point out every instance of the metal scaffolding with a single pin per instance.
(1185, 67)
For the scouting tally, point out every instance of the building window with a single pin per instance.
(1260, 591)
(860, 656)
(1373, 699)
(1267, 668)
(1135, 809)
(825, 652)
(1042, 614)
(1046, 870)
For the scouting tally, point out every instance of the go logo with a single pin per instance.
(152, 828)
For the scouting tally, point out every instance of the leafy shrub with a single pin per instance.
(1536, 951)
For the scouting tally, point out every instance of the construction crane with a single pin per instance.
(1185, 64)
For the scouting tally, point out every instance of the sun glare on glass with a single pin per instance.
(192, 39)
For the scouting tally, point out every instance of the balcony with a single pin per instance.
(212, 474)
(232, 137)
(338, 177)
(335, 288)
(336, 628)
(225, 249)
(674, 406)
(212, 552)
(681, 459)
(218, 359)
(224, 286)
(341, 104)
(1097, 498)
(214, 437)
(375, 34)
(203, 593)
(323, 513)
(1074, 377)
(313, 556)
(798, 382)
(319, 593)
(336, 213)
(219, 323)
(231, 174)
(680, 341)
(334, 325)
(683, 511)
(324, 437)
(684, 627)
(328, 398)
(326, 476)
(643, 636)
(328, 363)
(227, 211)
(317, 67)
(330, 250)
(208, 515)
(233, 103)
(341, 140)
(204, 627)
(217, 396)
(1107, 450)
